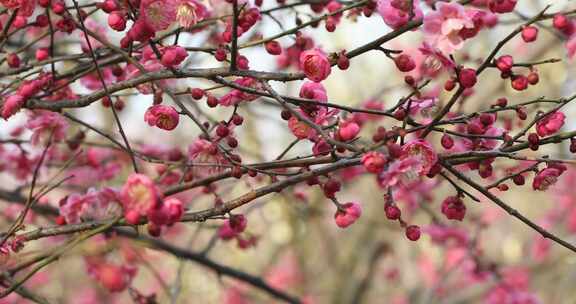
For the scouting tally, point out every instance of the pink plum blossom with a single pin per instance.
(550, 124)
(396, 13)
(315, 64)
(139, 194)
(162, 116)
(442, 27)
(349, 213)
(313, 90)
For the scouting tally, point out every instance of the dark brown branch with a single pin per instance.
(513, 212)
(220, 269)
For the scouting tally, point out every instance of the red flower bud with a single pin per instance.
(117, 21)
(529, 33)
(467, 77)
(404, 63)
(447, 141)
(453, 208)
(273, 48)
(504, 63)
(13, 60)
(413, 232)
(533, 78)
(343, 62)
(392, 212)
(519, 82)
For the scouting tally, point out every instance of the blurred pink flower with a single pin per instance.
(44, 124)
(442, 27)
(396, 13)
(350, 212)
(139, 194)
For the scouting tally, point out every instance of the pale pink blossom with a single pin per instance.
(235, 295)
(45, 125)
(96, 164)
(285, 273)
(370, 104)
(448, 235)
(158, 14)
(442, 28)
(190, 12)
(94, 205)
(434, 61)
(19, 163)
(414, 192)
(203, 151)
(92, 81)
(150, 63)
(399, 172)
(396, 13)
(139, 194)
(234, 97)
(95, 27)
(513, 288)
(546, 178)
(423, 152)
(571, 46)
(540, 248)
(425, 107)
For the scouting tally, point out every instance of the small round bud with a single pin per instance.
(502, 102)
(413, 232)
(220, 54)
(212, 101)
(529, 33)
(343, 62)
(533, 78)
(392, 212)
(519, 180)
(404, 63)
(447, 141)
(197, 93)
(273, 47)
(222, 130)
(237, 119)
(286, 115)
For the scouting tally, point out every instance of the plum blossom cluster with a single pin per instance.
(141, 199)
(233, 228)
(456, 123)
